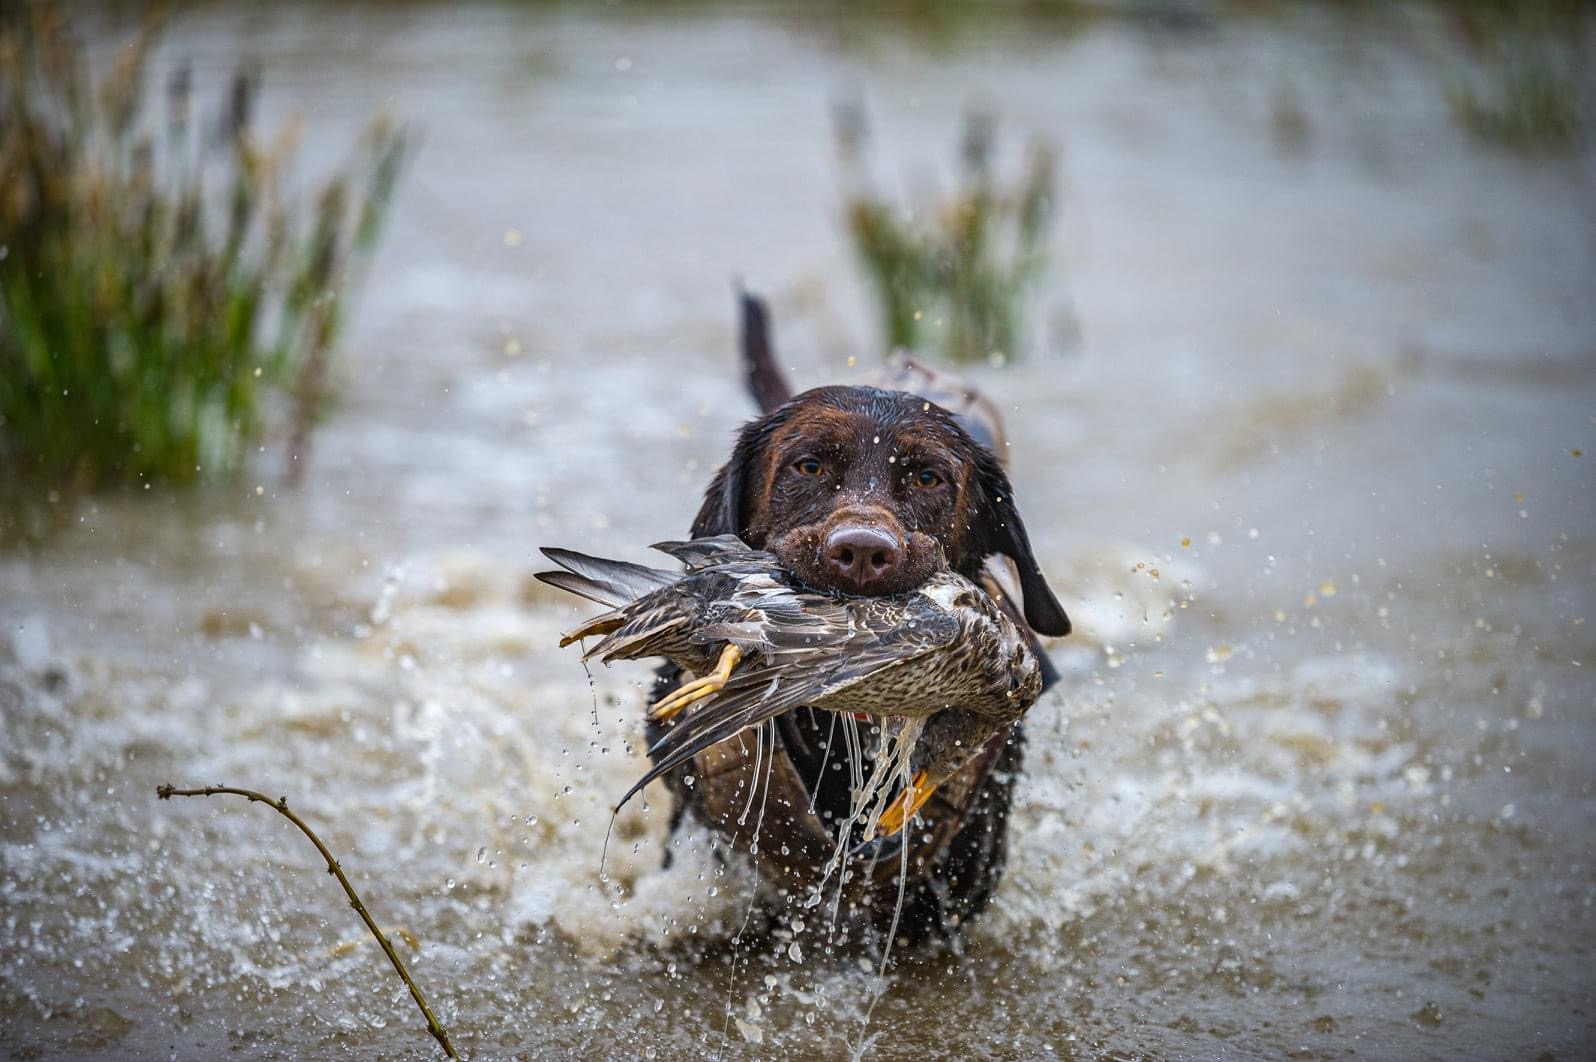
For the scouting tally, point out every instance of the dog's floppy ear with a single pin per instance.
(726, 509)
(1002, 531)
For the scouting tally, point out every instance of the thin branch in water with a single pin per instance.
(435, 1027)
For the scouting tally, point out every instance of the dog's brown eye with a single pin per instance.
(809, 466)
(927, 478)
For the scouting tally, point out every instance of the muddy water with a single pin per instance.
(1297, 446)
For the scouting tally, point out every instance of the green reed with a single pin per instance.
(1514, 71)
(165, 305)
(953, 277)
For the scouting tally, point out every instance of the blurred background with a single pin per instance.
(315, 321)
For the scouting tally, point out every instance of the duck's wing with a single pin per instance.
(609, 582)
(662, 622)
(715, 549)
(630, 634)
(763, 613)
(799, 675)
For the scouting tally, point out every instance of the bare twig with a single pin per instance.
(435, 1027)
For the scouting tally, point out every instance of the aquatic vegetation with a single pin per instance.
(953, 277)
(165, 304)
(1515, 74)
(1525, 105)
(946, 27)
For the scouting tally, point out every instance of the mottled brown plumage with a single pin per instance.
(942, 654)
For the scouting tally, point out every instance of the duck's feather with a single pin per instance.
(701, 552)
(609, 582)
(633, 640)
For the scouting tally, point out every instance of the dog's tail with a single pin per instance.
(764, 377)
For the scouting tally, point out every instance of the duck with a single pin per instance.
(941, 666)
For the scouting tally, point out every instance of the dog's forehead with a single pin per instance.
(883, 407)
(864, 418)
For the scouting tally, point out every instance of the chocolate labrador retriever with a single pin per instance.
(866, 491)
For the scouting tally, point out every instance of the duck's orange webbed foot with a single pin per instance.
(668, 706)
(902, 810)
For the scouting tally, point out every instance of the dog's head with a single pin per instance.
(870, 492)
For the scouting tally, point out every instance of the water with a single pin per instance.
(1298, 452)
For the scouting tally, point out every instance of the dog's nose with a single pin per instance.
(861, 559)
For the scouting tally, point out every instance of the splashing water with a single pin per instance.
(1256, 817)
